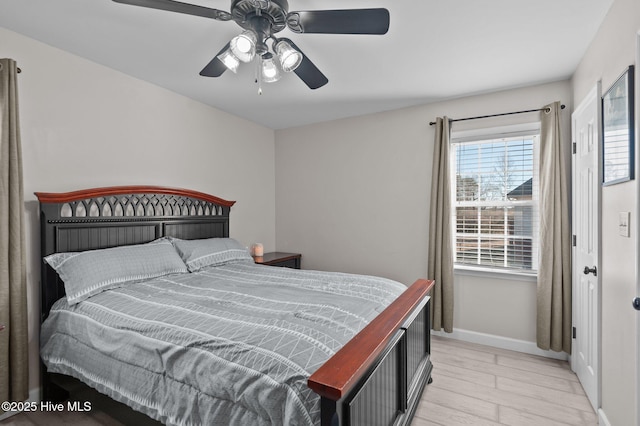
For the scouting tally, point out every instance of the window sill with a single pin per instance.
(494, 273)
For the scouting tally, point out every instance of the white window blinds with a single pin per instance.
(495, 188)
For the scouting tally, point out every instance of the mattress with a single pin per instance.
(228, 345)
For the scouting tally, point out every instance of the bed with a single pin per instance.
(369, 373)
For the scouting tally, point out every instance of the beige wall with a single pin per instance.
(84, 125)
(353, 195)
(611, 52)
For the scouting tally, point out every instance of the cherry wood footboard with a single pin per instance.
(379, 375)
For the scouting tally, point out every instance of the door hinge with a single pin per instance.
(574, 241)
(574, 332)
(575, 147)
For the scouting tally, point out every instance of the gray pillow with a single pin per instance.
(90, 272)
(198, 254)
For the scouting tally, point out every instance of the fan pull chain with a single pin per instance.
(259, 75)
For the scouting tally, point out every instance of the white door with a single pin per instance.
(585, 354)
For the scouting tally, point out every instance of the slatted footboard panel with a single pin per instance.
(380, 399)
(391, 393)
(419, 365)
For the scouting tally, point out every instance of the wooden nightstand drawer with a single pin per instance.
(287, 260)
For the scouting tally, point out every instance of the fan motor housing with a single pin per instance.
(274, 10)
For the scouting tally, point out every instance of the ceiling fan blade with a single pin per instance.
(176, 6)
(307, 71)
(215, 68)
(347, 21)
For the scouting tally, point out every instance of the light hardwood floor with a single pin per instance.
(472, 385)
(482, 385)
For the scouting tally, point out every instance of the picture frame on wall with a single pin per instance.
(618, 130)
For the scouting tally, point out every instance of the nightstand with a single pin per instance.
(278, 258)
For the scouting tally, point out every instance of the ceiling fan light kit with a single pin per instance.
(261, 20)
(243, 48)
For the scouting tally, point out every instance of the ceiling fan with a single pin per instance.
(261, 21)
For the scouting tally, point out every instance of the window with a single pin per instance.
(495, 193)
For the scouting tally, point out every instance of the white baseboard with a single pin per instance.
(602, 418)
(501, 342)
(34, 396)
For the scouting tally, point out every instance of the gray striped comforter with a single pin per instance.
(229, 345)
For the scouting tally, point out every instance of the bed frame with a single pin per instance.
(375, 379)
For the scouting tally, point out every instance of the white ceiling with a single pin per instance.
(434, 50)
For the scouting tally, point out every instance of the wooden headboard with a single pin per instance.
(114, 216)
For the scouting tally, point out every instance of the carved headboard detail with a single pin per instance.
(141, 205)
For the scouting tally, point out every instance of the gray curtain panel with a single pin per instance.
(440, 262)
(14, 364)
(554, 271)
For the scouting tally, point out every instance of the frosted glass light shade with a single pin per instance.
(229, 60)
(243, 46)
(270, 70)
(289, 57)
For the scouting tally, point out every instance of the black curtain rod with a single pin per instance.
(498, 115)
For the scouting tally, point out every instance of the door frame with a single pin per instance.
(637, 221)
(595, 92)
